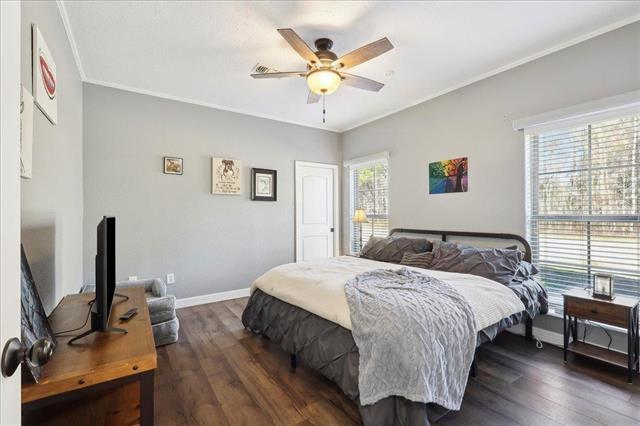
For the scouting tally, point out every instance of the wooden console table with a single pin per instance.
(622, 311)
(104, 378)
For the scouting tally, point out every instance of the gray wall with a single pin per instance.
(168, 223)
(52, 200)
(476, 121)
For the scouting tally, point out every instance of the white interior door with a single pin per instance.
(316, 211)
(10, 201)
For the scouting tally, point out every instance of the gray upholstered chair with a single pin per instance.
(162, 308)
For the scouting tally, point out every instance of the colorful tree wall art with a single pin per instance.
(448, 176)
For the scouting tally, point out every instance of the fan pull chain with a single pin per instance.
(324, 111)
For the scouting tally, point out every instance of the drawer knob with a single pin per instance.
(594, 311)
(81, 382)
(135, 367)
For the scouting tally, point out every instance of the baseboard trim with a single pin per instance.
(210, 298)
(546, 336)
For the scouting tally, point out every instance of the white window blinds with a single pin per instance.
(583, 204)
(369, 190)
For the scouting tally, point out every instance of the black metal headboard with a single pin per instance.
(445, 234)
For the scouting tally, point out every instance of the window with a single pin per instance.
(369, 190)
(583, 204)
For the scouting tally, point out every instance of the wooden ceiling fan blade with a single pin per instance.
(299, 45)
(313, 97)
(363, 54)
(361, 82)
(280, 74)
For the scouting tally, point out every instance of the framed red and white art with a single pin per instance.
(45, 79)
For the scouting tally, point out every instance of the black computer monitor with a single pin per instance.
(105, 280)
(105, 274)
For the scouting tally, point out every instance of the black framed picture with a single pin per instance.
(172, 165)
(603, 286)
(264, 185)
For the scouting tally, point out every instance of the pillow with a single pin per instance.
(418, 260)
(391, 249)
(493, 263)
(526, 271)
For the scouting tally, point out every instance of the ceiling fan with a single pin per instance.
(324, 71)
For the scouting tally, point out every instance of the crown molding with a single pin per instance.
(72, 41)
(602, 30)
(203, 104)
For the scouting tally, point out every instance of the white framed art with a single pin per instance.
(225, 176)
(45, 79)
(26, 134)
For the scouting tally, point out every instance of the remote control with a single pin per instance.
(129, 314)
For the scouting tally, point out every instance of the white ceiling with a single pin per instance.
(203, 52)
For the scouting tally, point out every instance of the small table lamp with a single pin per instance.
(359, 217)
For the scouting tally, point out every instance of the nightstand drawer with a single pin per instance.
(597, 311)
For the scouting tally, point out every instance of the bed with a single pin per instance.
(318, 334)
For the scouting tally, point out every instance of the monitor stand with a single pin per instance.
(88, 332)
(108, 330)
(124, 296)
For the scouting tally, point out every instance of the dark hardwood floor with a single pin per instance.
(218, 373)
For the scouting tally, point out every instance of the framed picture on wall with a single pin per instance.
(45, 79)
(225, 176)
(449, 176)
(172, 165)
(26, 134)
(264, 185)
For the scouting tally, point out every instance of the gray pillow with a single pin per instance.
(493, 263)
(391, 249)
(418, 260)
(526, 271)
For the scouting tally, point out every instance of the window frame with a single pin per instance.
(352, 166)
(532, 183)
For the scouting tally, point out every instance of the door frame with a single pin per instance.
(336, 204)
(10, 22)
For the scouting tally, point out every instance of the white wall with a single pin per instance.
(476, 121)
(52, 200)
(168, 223)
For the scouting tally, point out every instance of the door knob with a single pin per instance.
(15, 352)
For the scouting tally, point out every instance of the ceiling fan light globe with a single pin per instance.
(323, 81)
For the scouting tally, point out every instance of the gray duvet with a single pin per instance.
(331, 350)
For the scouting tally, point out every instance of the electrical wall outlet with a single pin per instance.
(171, 278)
(133, 278)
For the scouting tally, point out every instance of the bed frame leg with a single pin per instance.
(474, 365)
(528, 327)
(294, 361)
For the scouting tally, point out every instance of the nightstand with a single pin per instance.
(622, 311)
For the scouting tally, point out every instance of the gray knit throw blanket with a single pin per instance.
(416, 337)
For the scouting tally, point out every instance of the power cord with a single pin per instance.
(60, 333)
(589, 325)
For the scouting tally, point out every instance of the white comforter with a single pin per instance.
(318, 287)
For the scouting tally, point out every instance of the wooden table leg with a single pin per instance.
(146, 398)
(631, 344)
(637, 324)
(566, 334)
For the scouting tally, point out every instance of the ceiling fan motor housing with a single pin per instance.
(324, 52)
